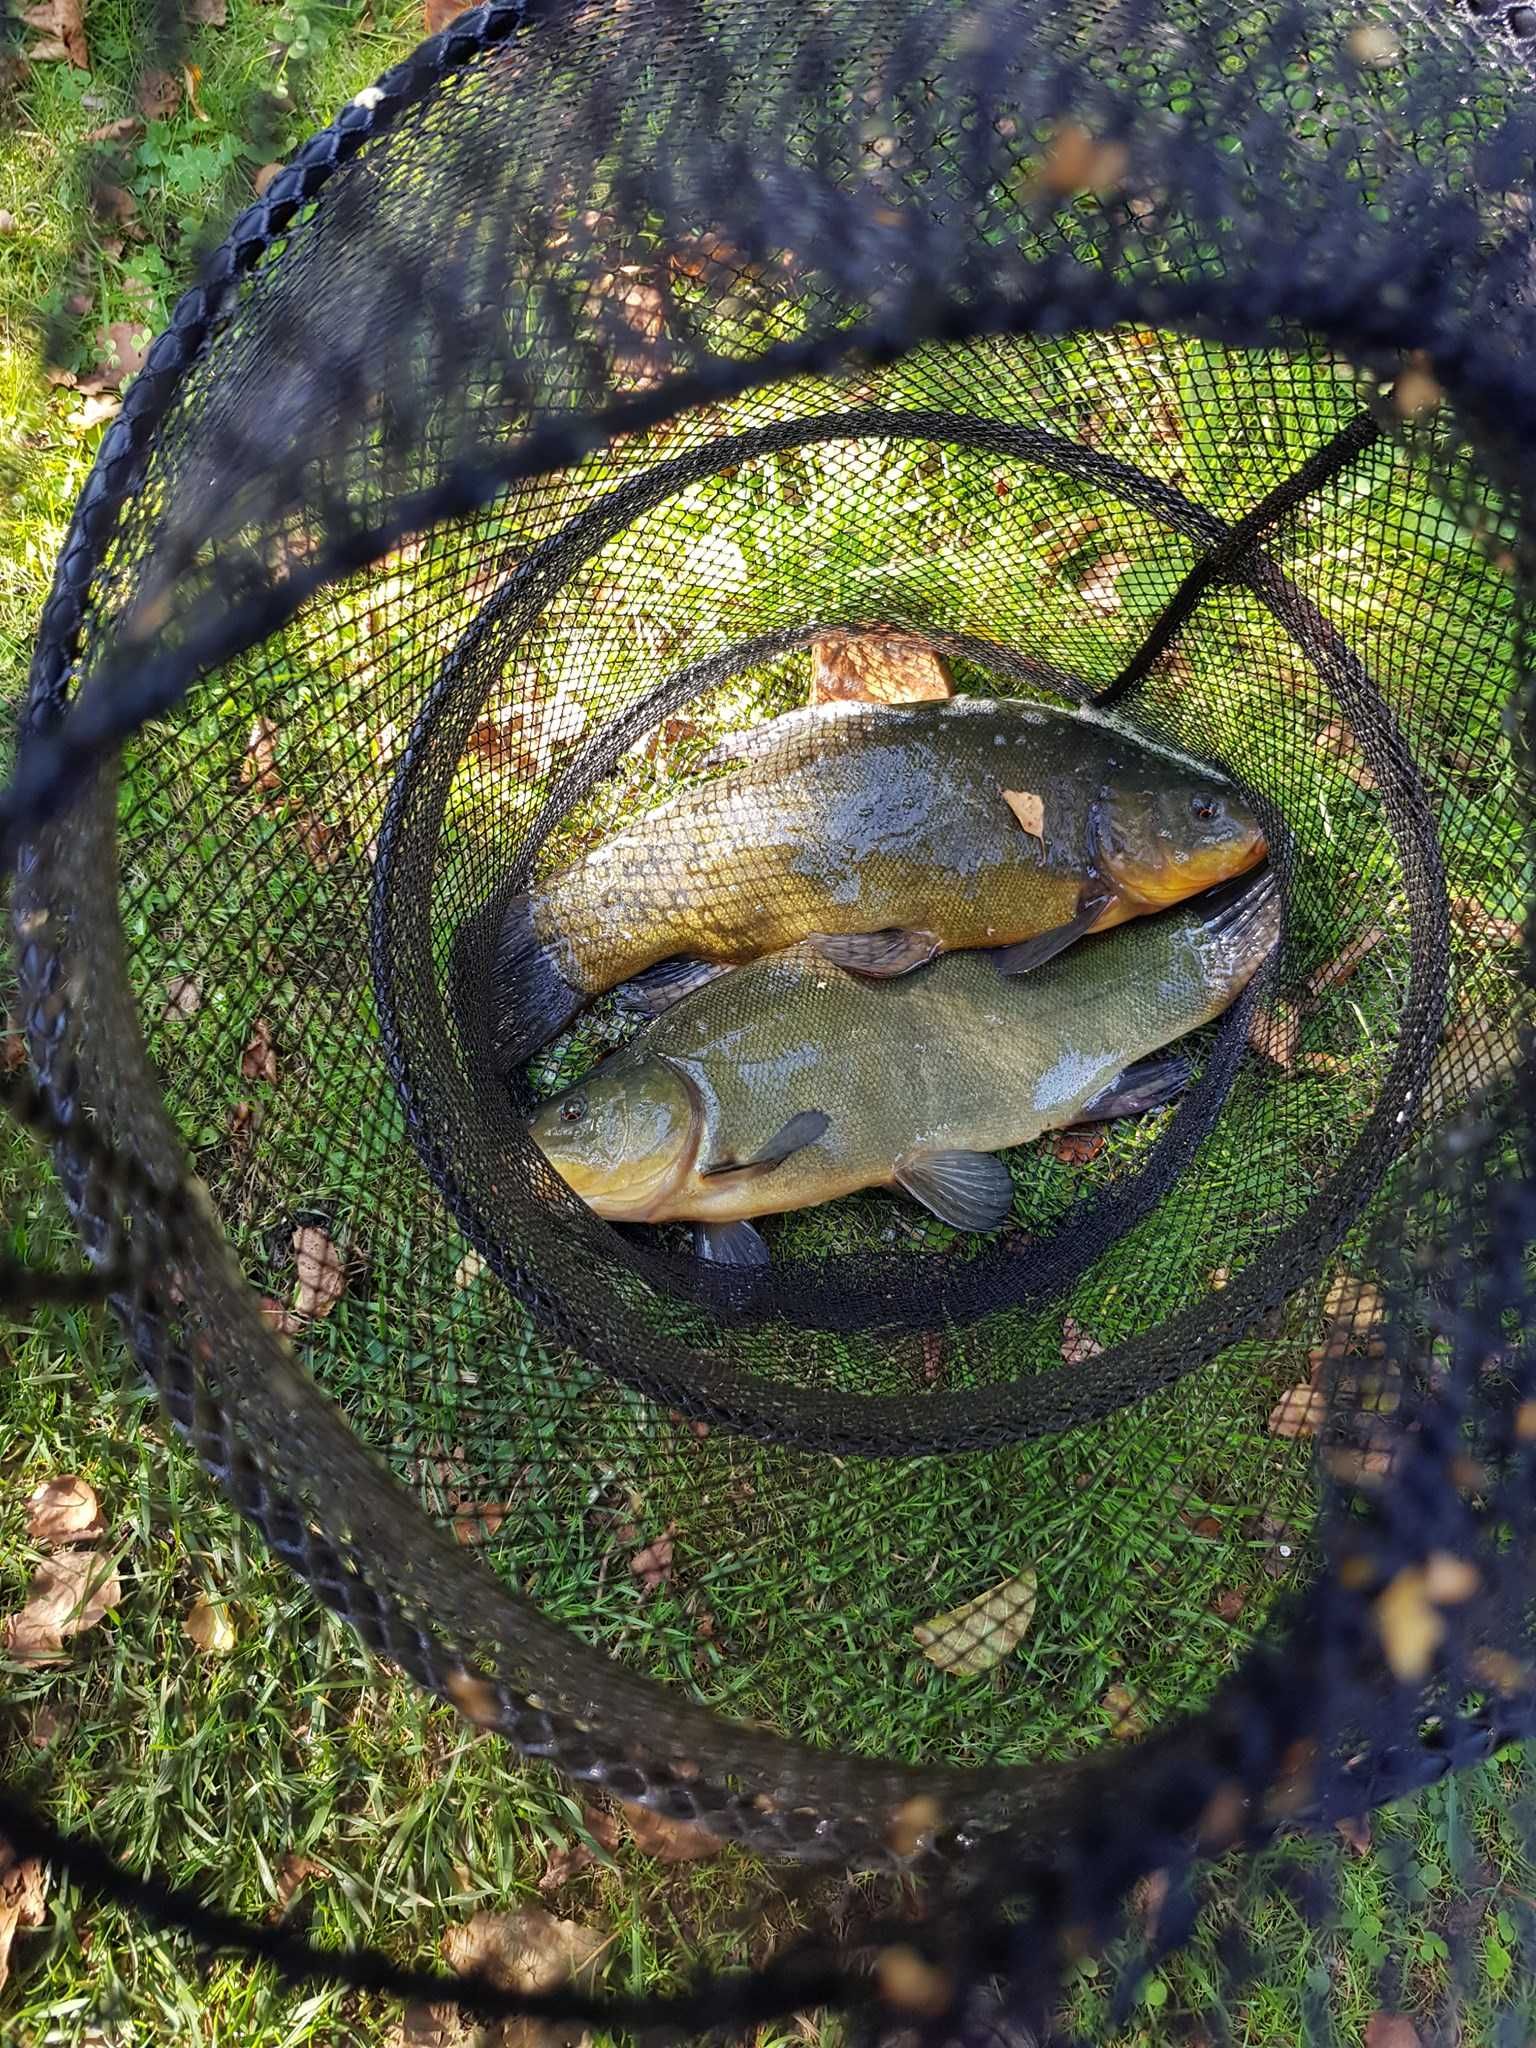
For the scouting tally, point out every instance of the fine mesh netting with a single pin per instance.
(520, 452)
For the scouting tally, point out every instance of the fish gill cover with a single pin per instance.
(1171, 367)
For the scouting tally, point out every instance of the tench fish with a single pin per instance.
(791, 1082)
(885, 834)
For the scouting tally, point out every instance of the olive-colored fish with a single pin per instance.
(886, 834)
(791, 1082)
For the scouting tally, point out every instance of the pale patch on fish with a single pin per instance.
(1075, 1077)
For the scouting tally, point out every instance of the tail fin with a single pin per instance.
(533, 999)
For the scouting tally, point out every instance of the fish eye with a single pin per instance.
(573, 1109)
(1205, 808)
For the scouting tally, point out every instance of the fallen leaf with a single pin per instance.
(322, 1274)
(23, 1897)
(1338, 743)
(1077, 1344)
(95, 410)
(264, 178)
(669, 1841)
(528, 738)
(438, 13)
(1479, 922)
(1360, 1303)
(157, 95)
(1075, 1148)
(478, 1521)
(260, 764)
(1077, 160)
(932, 1369)
(293, 1871)
(528, 1950)
(208, 1625)
(1299, 1412)
(602, 1826)
(1276, 1032)
(973, 1637)
(1099, 588)
(1123, 1707)
(68, 1594)
(259, 1062)
(1228, 1604)
(881, 667)
(278, 1316)
(209, 13)
(128, 128)
(114, 202)
(63, 1511)
(323, 843)
(1410, 1625)
(1029, 809)
(1344, 963)
(184, 996)
(125, 344)
(469, 1269)
(244, 1123)
(1356, 1831)
(652, 1566)
(1149, 1895)
(562, 1863)
(61, 24)
(1391, 2030)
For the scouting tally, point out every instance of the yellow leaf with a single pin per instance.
(209, 1626)
(1028, 808)
(972, 1638)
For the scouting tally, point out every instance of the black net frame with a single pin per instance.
(1304, 1729)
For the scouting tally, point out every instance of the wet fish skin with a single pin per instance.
(956, 1061)
(857, 819)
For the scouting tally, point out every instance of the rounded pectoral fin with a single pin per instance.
(971, 1190)
(800, 1131)
(1029, 954)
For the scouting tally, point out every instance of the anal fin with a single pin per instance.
(881, 955)
(729, 1244)
(1029, 954)
(971, 1190)
(801, 1130)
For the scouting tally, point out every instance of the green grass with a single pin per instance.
(810, 1577)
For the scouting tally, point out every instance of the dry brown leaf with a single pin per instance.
(1344, 963)
(877, 668)
(259, 1062)
(932, 1370)
(125, 344)
(1299, 1412)
(184, 996)
(562, 1863)
(1077, 1344)
(1391, 2030)
(477, 1521)
(68, 1594)
(1276, 1032)
(1099, 589)
(264, 178)
(210, 13)
(323, 843)
(114, 202)
(469, 1269)
(1338, 743)
(322, 1272)
(259, 768)
(436, 14)
(1357, 1302)
(127, 128)
(1077, 1147)
(1479, 922)
(61, 25)
(1356, 1831)
(1029, 809)
(971, 1638)
(652, 1566)
(528, 1950)
(208, 1625)
(602, 1826)
(293, 1871)
(63, 1511)
(1126, 1720)
(669, 1841)
(278, 1316)
(157, 95)
(530, 738)
(1228, 1604)
(23, 1897)
(244, 1123)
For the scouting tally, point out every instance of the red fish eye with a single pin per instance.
(1205, 808)
(573, 1109)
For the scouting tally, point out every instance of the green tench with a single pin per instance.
(885, 834)
(791, 1082)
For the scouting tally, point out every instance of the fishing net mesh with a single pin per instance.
(523, 442)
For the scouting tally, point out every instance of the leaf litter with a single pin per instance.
(971, 1638)
(879, 666)
(527, 1950)
(322, 1272)
(69, 1594)
(23, 1900)
(63, 1511)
